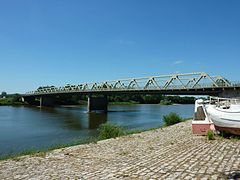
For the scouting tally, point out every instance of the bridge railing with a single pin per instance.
(236, 84)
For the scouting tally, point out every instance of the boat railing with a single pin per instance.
(224, 102)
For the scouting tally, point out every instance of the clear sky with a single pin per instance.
(55, 42)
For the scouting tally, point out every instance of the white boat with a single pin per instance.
(225, 114)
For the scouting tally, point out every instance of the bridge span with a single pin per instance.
(197, 83)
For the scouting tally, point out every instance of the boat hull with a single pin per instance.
(225, 121)
(202, 128)
(230, 130)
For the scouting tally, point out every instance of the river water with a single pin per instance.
(26, 127)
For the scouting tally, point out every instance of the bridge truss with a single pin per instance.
(197, 80)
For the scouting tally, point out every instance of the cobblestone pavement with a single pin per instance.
(168, 153)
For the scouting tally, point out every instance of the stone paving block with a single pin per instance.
(168, 153)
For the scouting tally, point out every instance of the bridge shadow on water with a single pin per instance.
(74, 118)
(77, 118)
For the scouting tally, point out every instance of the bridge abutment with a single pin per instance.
(98, 103)
(31, 100)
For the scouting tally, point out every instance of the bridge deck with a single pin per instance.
(191, 83)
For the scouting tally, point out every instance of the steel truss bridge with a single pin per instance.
(197, 83)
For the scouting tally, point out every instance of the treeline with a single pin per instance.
(10, 99)
(141, 99)
(14, 99)
(152, 99)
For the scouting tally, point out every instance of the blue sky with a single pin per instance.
(57, 42)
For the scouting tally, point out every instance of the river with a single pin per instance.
(27, 127)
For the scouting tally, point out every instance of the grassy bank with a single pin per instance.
(41, 152)
(10, 101)
(105, 134)
(106, 131)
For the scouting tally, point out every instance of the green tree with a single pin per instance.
(16, 98)
(4, 94)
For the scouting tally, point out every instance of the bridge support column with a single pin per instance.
(46, 101)
(230, 94)
(99, 103)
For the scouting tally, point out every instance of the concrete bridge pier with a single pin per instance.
(46, 101)
(98, 103)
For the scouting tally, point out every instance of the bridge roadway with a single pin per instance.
(199, 83)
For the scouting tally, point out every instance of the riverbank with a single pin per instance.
(171, 152)
(29, 129)
(10, 102)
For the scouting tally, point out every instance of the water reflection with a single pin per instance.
(31, 127)
(69, 119)
(73, 117)
(96, 119)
